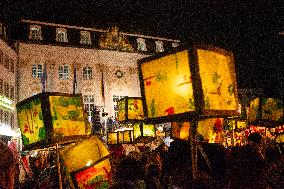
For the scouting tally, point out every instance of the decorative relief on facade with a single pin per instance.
(87, 86)
(112, 39)
(64, 86)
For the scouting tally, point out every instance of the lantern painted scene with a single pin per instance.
(199, 81)
(143, 130)
(87, 164)
(130, 109)
(266, 111)
(211, 129)
(47, 118)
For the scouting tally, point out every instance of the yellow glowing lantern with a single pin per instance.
(112, 138)
(120, 136)
(130, 109)
(266, 111)
(192, 82)
(48, 118)
(87, 162)
(142, 129)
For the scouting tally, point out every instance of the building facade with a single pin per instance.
(99, 64)
(8, 87)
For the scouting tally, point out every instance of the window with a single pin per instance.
(89, 103)
(63, 71)
(6, 118)
(85, 38)
(87, 73)
(174, 45)
(6, 61)
(1, 29)
(116, 98)
(4, 32)
(61, 35)
(12, 65)
(1, 86)
(141, 44)
(35, 32)
(37, 71)
(1, 116)
(159, 46)
(1, 57)
(12, 122)
(6, 90)
(12, 91)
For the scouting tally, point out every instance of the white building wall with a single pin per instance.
(9, 77)
(105, 61)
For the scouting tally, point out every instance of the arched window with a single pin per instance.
(61, 35)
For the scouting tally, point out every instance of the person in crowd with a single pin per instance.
(7, 167)
(274, 164)
(247, 165)
(130, 170)
(152, 179)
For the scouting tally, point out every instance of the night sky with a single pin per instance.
(248, 29)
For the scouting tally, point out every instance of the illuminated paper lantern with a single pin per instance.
(48, 118)
(193, 82)
(120, 137)
(180, 130)
(87, 162)
(112, 138)
(211, 129)
(142, 129)
(266, 111)
(84, 153)
(130, 109)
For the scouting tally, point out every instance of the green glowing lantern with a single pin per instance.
(47, 118)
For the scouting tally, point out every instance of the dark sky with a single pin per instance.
(247, 28)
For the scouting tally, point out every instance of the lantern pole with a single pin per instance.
(193, 146)
(58, 167)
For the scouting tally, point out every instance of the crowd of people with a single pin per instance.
(257, 165)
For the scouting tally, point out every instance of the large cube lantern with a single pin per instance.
(48, 118)
(199, 81)
(130, 109)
